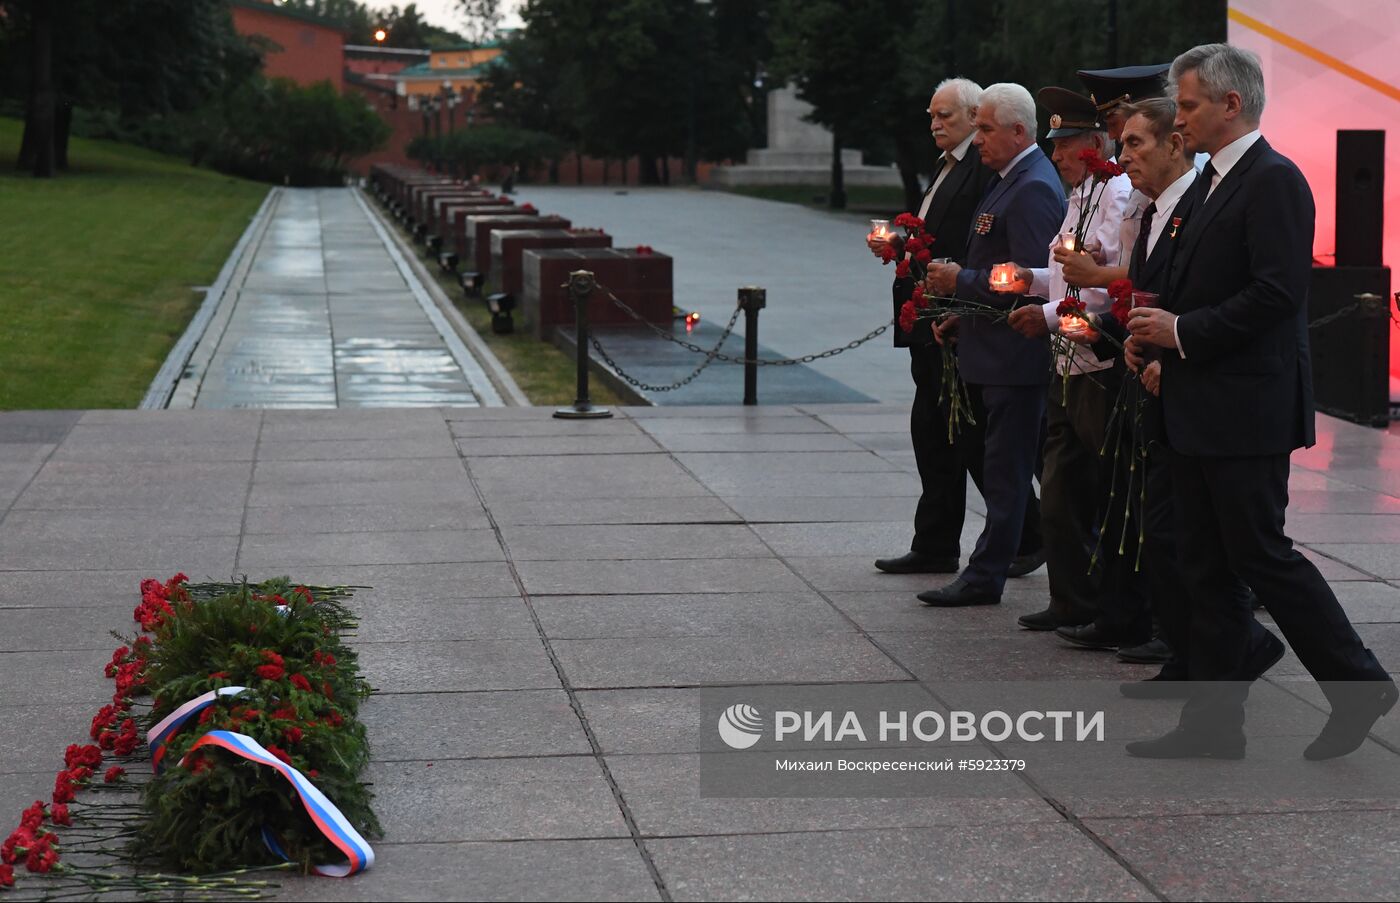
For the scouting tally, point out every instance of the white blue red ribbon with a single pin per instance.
(327, 818)
(158, 737)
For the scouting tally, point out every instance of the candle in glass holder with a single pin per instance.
(1067, 241)
(1075, 327)
(1145, 299)
(1003, 275)
(880, 230)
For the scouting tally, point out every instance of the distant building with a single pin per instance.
(303, 47)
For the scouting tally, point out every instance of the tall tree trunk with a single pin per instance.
(907, 157)
(647, 173)
(838, 175)
(554, 170)
(665, 170)
(578, 164)
(61, 132)
(25, 160)
(41, 23)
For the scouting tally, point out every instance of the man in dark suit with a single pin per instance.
(1236, 389)
(1155, 159)
(1006, 372)
(960, 180)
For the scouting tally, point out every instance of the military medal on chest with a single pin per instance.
(984, 222)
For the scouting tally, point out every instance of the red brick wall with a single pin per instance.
(310, 52)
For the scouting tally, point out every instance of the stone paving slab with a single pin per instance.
(545, 602)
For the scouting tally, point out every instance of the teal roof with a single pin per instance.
(423, 70)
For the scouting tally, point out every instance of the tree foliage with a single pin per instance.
(471, 150)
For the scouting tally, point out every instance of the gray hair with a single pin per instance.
(1221, 68)
(968, 92)
(1014, 105)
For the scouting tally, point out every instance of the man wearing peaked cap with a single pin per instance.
(1082, 391)
(1112, 90)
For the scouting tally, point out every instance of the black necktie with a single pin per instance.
(1207, 177)
(1139, 259)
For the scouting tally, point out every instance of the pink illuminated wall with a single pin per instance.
(1329, 65)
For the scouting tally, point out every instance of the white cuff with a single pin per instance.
(1052, 319)
(1040, 283)
(1176, 334)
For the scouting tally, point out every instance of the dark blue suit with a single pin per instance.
(1006, 372)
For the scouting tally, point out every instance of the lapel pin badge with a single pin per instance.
(1176, 224)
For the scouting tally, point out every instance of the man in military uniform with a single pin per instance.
(1081, 394)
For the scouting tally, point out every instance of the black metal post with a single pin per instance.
(752, 299)
(581, 286)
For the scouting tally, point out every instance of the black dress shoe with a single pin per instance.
(918, 563)
(1352, 720)
(1183, 744)
(1048, 620)
(1022, 565)
(1153, 652)
(959, 595)
(1090, 636)
(1160, 686)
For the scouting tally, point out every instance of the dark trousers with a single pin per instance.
(1076, 414)
(944, 467)
(1229, 521)
(1010, 419)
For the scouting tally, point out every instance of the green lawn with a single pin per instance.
(98, 265)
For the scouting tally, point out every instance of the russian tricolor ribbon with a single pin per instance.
(158, 737)
(327, 818)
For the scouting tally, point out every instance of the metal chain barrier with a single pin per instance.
(730, 359)
(710, 357)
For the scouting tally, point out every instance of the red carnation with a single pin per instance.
(80, 774)
(270, 672)
(63, 788)
(7, 876)
(20, 839)
(113, 774)
(280, 753)
(292, 735)
(907, 315)
(1120, 288)
(82, 755)
(888, 253)
(105, 717)
(60, 815)
(32, 817)
(301, 683)
(1122, 307)
(219, 675)
(923, 255)
(914, 245)
(902, 270)
(42, 856)
(1069, 306)
(918, 297)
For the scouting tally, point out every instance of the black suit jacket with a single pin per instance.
(949, 220)
(1239, 283)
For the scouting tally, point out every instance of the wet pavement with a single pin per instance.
(552, 599)
(326, 314)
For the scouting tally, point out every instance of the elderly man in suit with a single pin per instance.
(1006, 372)
(1236, 390)
(960, 180)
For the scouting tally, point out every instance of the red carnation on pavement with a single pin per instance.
(88, 755)
(60, 815)
(7, 876)
(32, 817)
(63, 788)
(20, 839)
(42, 856)
(113, 774)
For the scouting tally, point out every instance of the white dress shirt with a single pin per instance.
(1016, 159)
(956, 154)
(1166, 205)
(1222, 161)
(1106, 228)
